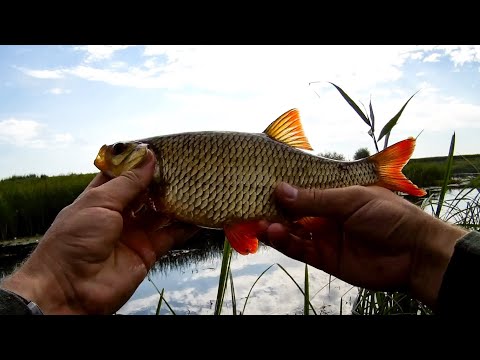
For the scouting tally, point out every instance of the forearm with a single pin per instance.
(435, 246)
(460, 282)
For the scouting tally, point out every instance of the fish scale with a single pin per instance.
(190, 161)
(227, 179)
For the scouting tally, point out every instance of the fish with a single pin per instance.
(225, 179)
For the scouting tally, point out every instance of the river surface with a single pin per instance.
(190, 279)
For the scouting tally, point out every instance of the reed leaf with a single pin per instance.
(159, 303)
(232, 290)
(248, 295)
(306, 310)
(352, 104)
(372, 117)
(222, 282)
(161, 295)
(446, 179)
(393, 121)
(298, 286)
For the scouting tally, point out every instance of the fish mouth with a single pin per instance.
(113, 164)
(100, 161)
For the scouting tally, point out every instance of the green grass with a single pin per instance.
(29, 204)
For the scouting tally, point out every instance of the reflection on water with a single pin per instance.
(10, 258)
(191, 285)
(190, 279)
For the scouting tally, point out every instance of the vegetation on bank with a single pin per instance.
(29, 204)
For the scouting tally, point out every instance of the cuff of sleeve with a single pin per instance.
(460, 282)
(14, 304)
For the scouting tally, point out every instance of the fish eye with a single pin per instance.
(118, 148)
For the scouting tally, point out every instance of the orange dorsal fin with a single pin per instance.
(389, 164)
(288, 130)
(243, 236)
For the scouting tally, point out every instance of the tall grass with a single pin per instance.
(29, 204)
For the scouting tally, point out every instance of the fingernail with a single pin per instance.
(289, 192)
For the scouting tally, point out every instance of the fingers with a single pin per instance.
(321, 251)
(172, 236)
(120, 191)
(339, 202)
(287, 243)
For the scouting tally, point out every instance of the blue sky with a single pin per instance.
(59, 104)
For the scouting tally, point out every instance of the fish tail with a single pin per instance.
(390, 162)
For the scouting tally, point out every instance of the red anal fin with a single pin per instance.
(390, 162)
(288, 129)
(243, 236)
(312, 224)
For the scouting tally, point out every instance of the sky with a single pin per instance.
(59, 104)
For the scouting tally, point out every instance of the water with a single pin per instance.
(190, 279)
(191, 288)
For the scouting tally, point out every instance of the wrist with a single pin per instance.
(39, 285)
(434, 248)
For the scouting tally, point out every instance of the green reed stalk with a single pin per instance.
(161, 296)
(222, 282)
(232, 290)
(298, 286)
(159, 302)
(306, 308)
(258, 278)
(446, 179)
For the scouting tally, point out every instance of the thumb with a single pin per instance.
(126, 187)
(338, 202)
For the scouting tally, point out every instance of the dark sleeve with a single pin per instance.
(13, 304)
(461, 282)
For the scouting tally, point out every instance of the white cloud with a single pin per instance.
(20, 132)
(100, 52)
(417, 55)
(249, 68)
(432, 57)
(256, 68)
(458, 54)
(30, 133)
(463, 54)
(173, 52)
(59, 91)
(43, 74)
(64, 138)
(426, 88)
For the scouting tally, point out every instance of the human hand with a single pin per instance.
(94, 256)
(368, 237)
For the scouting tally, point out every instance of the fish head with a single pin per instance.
(117, 158)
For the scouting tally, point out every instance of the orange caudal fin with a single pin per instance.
(243, 236)
(389, 164)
